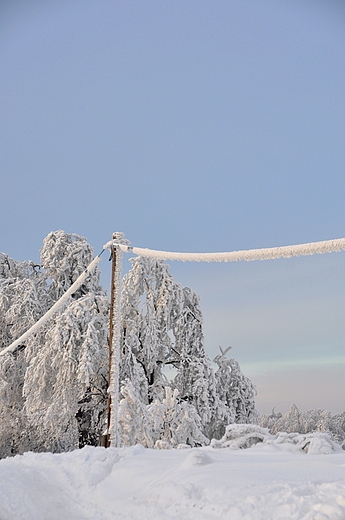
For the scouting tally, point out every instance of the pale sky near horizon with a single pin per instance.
(191, 126)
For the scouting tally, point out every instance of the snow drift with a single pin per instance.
(268, 481)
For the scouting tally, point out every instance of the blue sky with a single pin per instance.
(191, 126)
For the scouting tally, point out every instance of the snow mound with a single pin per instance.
(243, 436)
(311, 443)
(196, 458)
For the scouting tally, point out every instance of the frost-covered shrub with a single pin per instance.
(135, 424)
(305, 422)
(176, 422)
(311, 443)
(169, 423)
(244, 436)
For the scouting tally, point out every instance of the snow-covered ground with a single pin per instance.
(267, 481)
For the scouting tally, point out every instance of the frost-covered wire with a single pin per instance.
(313, 248)
(74, 287)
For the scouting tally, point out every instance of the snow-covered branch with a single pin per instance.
(74, 287)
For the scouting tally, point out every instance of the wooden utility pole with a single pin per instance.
(111, 318)
(112, 437)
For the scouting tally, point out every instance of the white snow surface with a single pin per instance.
(271, 480)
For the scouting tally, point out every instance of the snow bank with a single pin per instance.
(261, 483)
(242, 436)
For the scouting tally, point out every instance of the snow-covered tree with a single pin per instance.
(24, 297)
(195, 379)
(16, 436)
(23, 300)
(235, 390)
(162, 326)
(57, 381)
(65, 381)
(151, 302)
